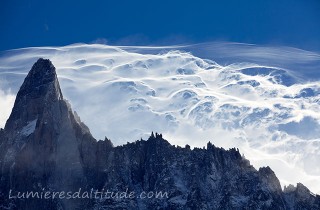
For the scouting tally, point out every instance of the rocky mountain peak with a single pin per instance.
(41, 77)
(39, 89)
(43, 138)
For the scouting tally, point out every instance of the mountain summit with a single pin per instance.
(45, 147)
(43, 139)
(40, 87)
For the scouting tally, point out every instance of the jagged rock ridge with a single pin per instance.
(45, 146)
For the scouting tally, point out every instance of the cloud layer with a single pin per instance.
(259, 99)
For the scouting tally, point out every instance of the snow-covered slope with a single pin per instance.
(270, 113)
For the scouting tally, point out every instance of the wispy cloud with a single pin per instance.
(251, 98)
(6, 104)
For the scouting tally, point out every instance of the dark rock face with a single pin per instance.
(45, 146)
(43, 140)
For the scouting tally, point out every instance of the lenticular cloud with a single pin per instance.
(263, 100)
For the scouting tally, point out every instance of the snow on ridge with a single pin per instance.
(124, 93)
(29, 128)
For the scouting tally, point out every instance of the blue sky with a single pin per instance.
(293, 23)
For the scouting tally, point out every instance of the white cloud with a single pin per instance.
(6, 104)
(124, 93)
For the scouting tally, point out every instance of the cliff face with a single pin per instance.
(43, 139)
(45, 146)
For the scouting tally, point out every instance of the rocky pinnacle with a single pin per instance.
(40, 87)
